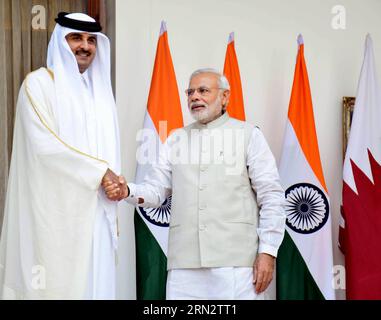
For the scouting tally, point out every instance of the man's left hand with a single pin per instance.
(263, 270)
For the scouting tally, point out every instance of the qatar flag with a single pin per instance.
(360, 230)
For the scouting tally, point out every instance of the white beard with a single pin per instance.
(201, 116)
(204, 115)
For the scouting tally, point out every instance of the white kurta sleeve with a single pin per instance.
(157, 184)
(265, 182)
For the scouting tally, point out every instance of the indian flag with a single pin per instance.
(304, 263)
(236, 107)
(151, 225)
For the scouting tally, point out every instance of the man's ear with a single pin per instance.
(225, 98)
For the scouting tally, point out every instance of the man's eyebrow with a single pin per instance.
(75, 34)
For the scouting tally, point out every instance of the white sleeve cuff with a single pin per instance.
(265, 248)
(132, 199)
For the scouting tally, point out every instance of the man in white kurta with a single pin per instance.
(59, 234)
(227, 220)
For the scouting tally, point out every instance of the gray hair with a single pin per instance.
(223, 83)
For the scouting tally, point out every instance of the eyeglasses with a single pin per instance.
(204, 91)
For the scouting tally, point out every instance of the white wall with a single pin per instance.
(266, 33)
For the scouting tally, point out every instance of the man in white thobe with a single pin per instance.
(60, 231)
(227, 220)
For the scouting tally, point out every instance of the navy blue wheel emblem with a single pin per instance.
(307, 208)
(158, 216)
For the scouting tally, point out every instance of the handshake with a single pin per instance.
(114, 186)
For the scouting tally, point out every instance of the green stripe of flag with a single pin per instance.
(151, 263)
(294, 281)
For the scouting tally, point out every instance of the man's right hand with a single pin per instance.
(115, 186)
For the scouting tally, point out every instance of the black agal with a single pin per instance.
(87, 26)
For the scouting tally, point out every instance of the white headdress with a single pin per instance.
(71, 108)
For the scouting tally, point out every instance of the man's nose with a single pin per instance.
(85, 45)
(195, 97)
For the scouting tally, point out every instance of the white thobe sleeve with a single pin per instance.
(42, 133)
(157, 184)
(265, 182)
